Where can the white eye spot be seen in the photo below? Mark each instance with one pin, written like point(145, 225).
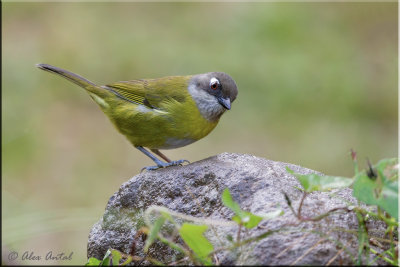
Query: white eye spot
point(214, 83)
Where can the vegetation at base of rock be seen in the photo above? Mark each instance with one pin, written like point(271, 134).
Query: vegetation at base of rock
point(375, 188)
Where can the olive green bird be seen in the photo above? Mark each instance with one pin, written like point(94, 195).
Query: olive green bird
point(163, 113)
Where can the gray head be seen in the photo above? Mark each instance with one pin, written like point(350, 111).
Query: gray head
point(213, 93)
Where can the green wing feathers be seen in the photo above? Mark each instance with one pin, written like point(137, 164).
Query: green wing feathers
point(132, 91)
point(152, 92)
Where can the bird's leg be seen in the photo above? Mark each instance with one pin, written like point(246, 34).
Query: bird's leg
point(161, 155)
point(154, 158)
point(159, 163)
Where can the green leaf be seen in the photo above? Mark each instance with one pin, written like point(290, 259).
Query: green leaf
point(106, 259)
point(388, 168)
point(314, 182)
point(193, 236)
point(381, 190)
point(230, 203)
point(128, 260)
point(237, 219)
point(251, 220)
point(155, 228)
point(93, 262)
point(247, 219)
point(116, 257)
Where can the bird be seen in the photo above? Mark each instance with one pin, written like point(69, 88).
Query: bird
point(161, 113)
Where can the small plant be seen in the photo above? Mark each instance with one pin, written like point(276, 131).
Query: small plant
point(194, 246)
point(376, 186)
point(111, 258)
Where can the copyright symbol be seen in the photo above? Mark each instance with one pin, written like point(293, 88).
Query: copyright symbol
point(13, 256)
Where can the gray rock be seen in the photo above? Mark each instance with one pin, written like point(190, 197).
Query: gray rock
point(257, 185)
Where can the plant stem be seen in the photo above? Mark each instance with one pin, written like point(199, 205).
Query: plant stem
point(382, 257)
point(301, 205)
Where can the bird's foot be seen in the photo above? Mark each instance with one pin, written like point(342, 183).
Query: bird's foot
point(165, 164)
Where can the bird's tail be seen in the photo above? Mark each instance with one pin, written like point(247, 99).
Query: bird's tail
point(75, 78)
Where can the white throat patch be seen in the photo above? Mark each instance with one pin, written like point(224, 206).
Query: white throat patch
point(207, 104)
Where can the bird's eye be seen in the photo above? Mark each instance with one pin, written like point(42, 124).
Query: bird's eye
point(214, 83)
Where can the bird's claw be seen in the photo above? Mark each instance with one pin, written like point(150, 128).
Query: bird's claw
point(165, 165)
point(178, 162)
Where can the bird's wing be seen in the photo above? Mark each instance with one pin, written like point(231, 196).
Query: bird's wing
point(152, 92)
point(132, 91)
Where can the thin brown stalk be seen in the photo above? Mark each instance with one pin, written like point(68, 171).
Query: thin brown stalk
point(292, 245)
point(309, 250)
point(301, 205)
point(334, 257)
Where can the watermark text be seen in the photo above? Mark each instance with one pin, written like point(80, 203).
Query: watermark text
point(32, 256)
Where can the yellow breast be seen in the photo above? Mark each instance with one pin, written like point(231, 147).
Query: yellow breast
point(174, 124)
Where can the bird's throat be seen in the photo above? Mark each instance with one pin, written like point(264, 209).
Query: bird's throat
point(207, 104)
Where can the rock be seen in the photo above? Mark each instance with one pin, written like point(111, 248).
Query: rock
point(257, 185)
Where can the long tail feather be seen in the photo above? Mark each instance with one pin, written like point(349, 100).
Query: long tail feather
point(75, 78)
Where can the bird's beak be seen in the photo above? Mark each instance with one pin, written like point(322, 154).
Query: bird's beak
point(225, 102)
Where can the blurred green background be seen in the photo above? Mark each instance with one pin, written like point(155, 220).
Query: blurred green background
point(314, 79)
